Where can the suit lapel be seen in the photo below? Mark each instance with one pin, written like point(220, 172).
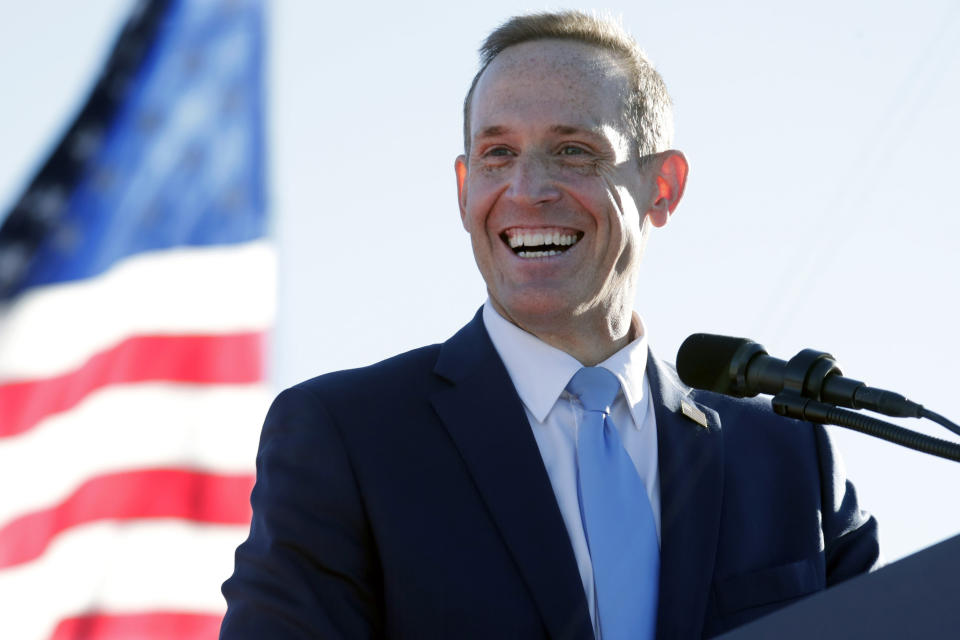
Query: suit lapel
point(691, 487)
point(486, 421)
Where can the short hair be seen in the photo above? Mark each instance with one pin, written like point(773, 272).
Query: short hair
point(648, 109)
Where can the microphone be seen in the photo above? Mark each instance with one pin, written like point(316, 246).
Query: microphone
point(741, 368)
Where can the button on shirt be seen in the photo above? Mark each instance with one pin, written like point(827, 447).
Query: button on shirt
point(540, 374)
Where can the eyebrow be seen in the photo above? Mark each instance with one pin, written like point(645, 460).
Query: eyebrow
point(560, 129)
point(566, 130)
point(492, 132)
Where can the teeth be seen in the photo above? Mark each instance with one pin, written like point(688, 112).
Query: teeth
point(538, 254)
point(523, 238)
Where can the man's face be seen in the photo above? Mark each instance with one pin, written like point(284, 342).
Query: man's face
point(552, 193)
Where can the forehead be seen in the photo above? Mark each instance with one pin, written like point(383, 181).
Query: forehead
point(551, 79)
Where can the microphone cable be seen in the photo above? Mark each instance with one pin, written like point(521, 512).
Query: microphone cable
point(939, 419)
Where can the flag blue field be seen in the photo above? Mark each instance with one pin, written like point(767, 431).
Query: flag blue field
point(136, 293)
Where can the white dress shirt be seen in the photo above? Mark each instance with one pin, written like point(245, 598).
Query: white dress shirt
point(540, 374)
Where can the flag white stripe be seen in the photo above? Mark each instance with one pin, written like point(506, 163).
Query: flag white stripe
point(189, 290)
point(124, 427)
point(123, 567)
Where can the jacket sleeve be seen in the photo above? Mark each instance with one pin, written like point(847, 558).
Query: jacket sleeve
point(850, 539)
point(308, 568)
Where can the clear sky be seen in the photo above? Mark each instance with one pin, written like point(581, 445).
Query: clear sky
point(823, 143)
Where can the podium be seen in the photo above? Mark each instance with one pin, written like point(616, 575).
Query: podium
point(915, 597)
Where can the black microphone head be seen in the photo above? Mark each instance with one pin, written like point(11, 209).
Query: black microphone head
point(714, 363)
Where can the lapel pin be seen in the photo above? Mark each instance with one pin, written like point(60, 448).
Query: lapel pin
point(693, 412)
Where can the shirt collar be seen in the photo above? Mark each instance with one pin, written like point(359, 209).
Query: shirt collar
point(540, 372)
point(630, 366)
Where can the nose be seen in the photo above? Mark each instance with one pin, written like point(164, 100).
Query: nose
point(532, 182)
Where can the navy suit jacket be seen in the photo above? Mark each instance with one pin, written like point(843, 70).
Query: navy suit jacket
point(409, 500)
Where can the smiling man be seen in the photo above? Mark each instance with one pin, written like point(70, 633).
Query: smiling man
point(555, 195)
point(541, 474)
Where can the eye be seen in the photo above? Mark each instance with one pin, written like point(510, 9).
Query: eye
point(572, 150)
point(497, 152)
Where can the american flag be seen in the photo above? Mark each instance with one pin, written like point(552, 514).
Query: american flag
point(136, 290)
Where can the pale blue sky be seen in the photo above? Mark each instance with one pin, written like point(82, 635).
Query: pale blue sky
point(823, 143)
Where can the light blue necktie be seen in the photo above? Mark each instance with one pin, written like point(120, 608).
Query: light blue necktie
point(617, 516)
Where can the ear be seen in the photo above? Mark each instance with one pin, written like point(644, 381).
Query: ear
point(670, 178)
point(460, 167)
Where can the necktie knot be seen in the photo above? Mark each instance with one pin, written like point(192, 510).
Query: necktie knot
point(595, 387)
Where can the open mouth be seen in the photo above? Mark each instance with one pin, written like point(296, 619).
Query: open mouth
point(540, 243)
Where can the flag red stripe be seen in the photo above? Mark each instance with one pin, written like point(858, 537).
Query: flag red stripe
point(153, 493)
point(157, 625)
point(224, 359)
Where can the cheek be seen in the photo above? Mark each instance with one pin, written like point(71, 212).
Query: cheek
point(629, 211)
point(479, 206)
point(625, 229)
point(476, 222)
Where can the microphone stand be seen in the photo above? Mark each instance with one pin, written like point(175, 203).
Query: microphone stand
point(792, 405)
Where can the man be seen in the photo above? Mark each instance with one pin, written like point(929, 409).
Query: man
point(461, 490)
